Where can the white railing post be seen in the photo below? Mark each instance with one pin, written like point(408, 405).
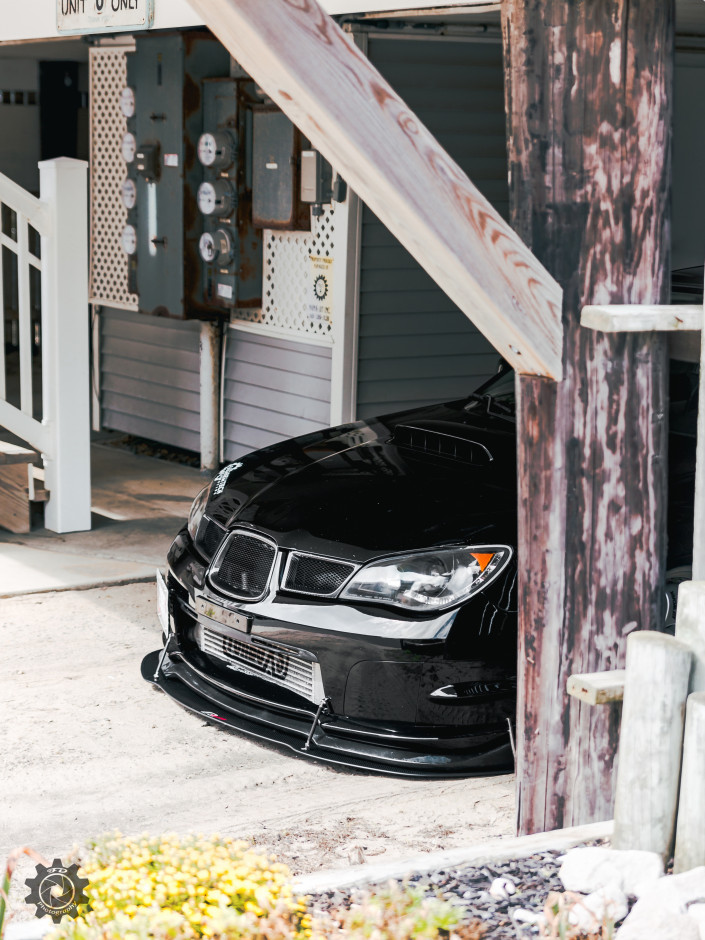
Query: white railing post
point(65, 343)
point(699, 508)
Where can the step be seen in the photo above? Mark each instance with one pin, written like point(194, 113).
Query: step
point(20, 487)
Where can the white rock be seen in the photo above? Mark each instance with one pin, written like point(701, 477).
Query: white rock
point(697, 912)
point(677, 893)
point(586, 922)
point(669, 900)
point(659, 925)
point(356, 856)
point(502, 888)
point(583, 869)
point(690, 885)
point(639, 870)
point(607, 903)
point(27, 929)
point(522, 916)
point(593, 867)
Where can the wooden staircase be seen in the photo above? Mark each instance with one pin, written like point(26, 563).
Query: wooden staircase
point(22, 492)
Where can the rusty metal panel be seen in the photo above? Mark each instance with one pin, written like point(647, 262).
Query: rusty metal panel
point(166, 73)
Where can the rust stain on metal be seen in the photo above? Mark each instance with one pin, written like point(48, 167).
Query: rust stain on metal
point(191, 96)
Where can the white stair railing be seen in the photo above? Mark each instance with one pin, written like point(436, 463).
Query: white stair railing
point(62, 435)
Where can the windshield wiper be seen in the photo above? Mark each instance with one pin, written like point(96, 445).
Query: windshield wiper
point(494, 406)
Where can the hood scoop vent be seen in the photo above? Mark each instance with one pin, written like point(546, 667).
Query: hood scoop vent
point(442, 439)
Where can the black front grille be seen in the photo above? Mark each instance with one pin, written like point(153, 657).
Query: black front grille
point(309, 574)
point(209, 537)
point(244, 566)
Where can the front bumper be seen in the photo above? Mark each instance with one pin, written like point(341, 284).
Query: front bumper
point(374, 712)
point(325, 737)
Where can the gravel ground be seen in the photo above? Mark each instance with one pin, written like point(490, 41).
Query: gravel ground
point(479, 889)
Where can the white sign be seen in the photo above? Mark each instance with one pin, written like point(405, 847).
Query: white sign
point(320, 303)
point(101, 16)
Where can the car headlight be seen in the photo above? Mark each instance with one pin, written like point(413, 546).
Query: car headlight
point(428, 581)
point(198, 507)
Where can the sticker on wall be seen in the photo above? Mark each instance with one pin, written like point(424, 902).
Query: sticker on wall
point(320, 302)
point(101, 16)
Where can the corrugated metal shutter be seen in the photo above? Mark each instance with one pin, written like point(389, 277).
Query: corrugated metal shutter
point(273, 389)
point(149, 377)
point(415, 346)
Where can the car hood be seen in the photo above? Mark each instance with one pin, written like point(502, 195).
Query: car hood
point(398, 483)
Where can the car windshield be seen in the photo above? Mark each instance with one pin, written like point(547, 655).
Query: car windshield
point(496, 396)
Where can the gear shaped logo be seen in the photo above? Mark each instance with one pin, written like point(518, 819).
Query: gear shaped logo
point(57, 891)
point(320, 287)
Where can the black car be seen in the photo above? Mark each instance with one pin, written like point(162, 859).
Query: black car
point(351, 594)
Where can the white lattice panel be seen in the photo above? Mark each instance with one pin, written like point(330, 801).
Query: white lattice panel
point(297, 287)
point(108, 76)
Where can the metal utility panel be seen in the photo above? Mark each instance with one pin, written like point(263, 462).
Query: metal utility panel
point(276, 152)
point(165, 76)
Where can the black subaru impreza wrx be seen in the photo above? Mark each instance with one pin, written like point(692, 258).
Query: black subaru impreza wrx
point(351, 594)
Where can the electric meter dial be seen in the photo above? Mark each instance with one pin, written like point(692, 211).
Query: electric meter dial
point(225, 246)
point(127, 101)
point(129, 147)
point(206, 248)
point(217, 198)
point(129, 240)
point(217, 151)
point(129, 194)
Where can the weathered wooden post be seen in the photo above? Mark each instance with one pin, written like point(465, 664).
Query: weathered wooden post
point(690, 626)
point(589, 100)
point(651, 742)
point(690, 834)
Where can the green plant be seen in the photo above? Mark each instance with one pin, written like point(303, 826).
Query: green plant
point(7, 878)
point(558, 925)
point(397, 912)
point(189, 888)
point(184, 888)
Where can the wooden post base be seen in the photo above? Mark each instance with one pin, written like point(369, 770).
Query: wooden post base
point(651, 742)
point(690, 834)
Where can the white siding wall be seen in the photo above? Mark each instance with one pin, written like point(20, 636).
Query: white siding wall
point(149, 377)
point(415, 346)
point(273, 389)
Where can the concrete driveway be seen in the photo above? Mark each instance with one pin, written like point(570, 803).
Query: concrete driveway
point(88, 746)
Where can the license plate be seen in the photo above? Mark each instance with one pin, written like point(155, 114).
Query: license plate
point(230, 618)
point(162, 603)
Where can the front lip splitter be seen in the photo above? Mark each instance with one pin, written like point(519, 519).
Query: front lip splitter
point(318, 735)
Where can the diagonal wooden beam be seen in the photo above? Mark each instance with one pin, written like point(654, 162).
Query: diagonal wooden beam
point(329, 89)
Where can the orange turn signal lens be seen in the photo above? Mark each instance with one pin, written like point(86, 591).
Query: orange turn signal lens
point(483, 558)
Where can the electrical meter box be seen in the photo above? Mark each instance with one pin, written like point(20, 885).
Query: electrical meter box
point(276, 160)
point(164, 103)
point(230, 246)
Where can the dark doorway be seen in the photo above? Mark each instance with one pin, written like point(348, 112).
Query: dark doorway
point(59, 101)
